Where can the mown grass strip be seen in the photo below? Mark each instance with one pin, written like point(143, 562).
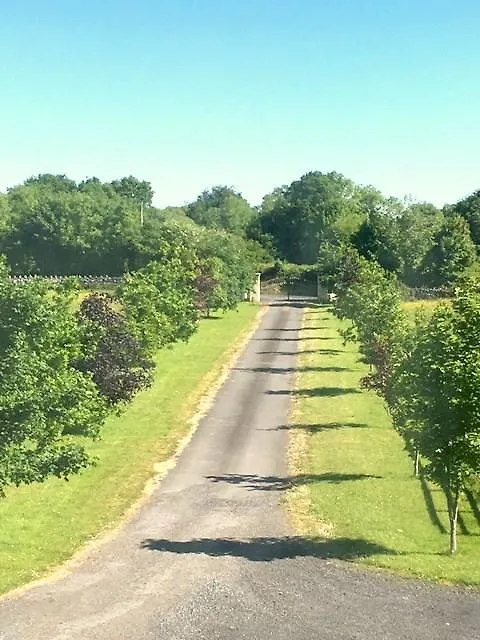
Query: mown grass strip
point(43, 525)
point(358, 484)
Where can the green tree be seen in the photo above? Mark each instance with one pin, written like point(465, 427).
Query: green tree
point(366, 201)
point(5, 221)
point(111, 354)
point(338, 266)
point(222, 208)
point(372, 304)
point(94, 186)
point(469, 209)
point(212, 294)
point(304, 215)
point(93, 230)
point(138, 191)
point(120, 237)
point(377, 239)
point(273, 200)
point(53, 232)
point(452, 252)
point(236, 275)
point(370, 299)
point(416, 231)
point(43, 397)
point(159, 300)
point(436, 391)
point(54, 183)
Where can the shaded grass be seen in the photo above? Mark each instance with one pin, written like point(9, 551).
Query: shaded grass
point(389, 508)
point(42, 525)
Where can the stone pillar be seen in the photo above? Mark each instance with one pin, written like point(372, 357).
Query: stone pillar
point(322, 293)
point(257, 290)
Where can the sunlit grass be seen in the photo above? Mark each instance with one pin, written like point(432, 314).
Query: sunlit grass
point(42, 525)
point(366, 491)
point(427, 307)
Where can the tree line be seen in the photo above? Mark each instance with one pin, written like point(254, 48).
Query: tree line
point(52, 225)
point(309, 219)
point(65, 368)
point(428, 374)
point(70, 357)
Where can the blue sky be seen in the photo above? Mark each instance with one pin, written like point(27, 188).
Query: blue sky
point(249, 93)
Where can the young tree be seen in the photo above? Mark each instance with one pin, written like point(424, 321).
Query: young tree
point(372, 303)
point(437, 391)
point(339, 266)
point(236, 265)
point(159, 301)
point(209, 285)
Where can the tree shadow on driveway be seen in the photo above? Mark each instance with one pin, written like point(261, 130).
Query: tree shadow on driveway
point(266, 549)
point(283, 339)
point(283, 370)
point(317, 392)
point(316, 327)
point(325, 352)
point(321, 426)
point(295, 304)
point(253, 482)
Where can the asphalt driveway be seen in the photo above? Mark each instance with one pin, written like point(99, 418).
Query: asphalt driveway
point(212, 555)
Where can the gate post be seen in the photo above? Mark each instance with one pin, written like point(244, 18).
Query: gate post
point(256, 290)
point(322, 292)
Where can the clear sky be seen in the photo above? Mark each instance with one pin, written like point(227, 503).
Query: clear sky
point(248, 93)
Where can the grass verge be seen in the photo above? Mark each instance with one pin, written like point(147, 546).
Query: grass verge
point(43, 525)
point(426, 307)
point(356, 481)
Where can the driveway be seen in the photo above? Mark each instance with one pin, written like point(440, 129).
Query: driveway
point(212, 555)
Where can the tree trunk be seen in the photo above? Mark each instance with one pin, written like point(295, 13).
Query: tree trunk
point(454, 503)
point(417, 462)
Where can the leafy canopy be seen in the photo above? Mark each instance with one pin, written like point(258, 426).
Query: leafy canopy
point(44, 399)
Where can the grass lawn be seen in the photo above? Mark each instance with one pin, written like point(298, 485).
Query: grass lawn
point(411, 307)
point(42, 525)
point(358, 486)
